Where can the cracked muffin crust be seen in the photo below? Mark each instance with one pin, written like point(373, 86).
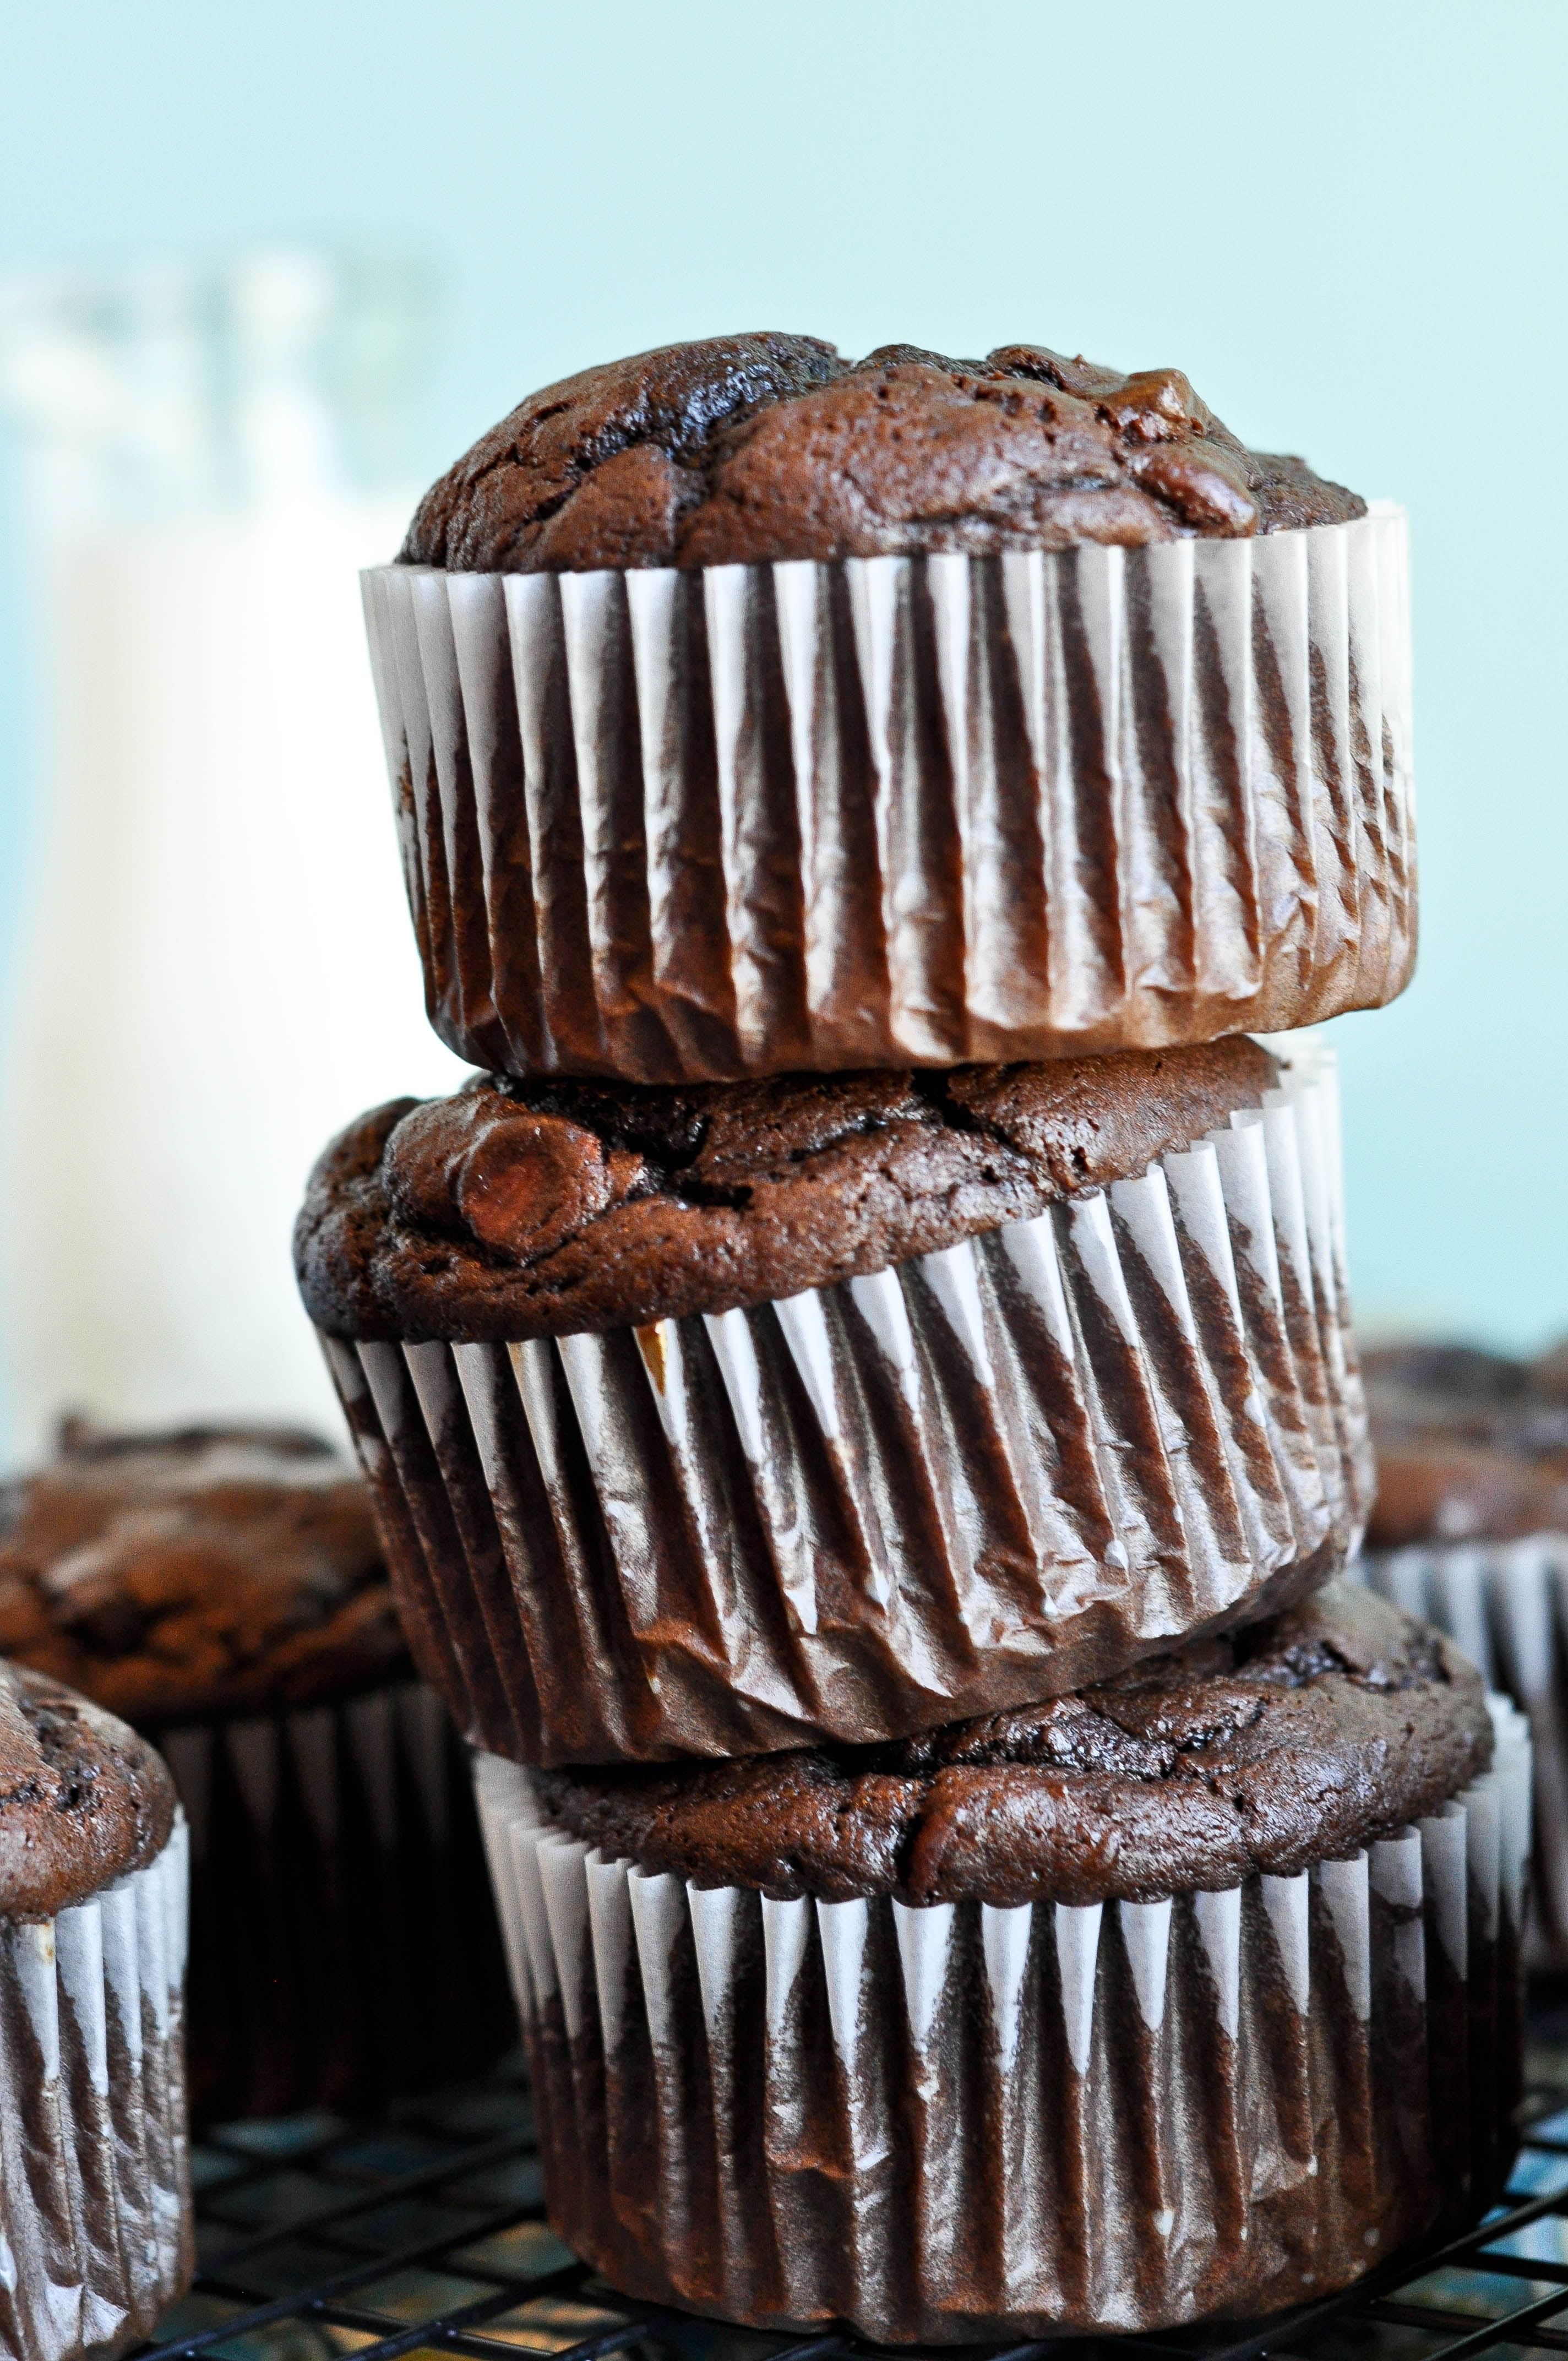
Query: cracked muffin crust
point(1292, 1741)
point(547, 1208)
point(751, 448)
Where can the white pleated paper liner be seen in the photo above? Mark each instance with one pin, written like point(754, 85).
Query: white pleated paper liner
point(755, 820)
point(962, 2122)
point(96, 2235)
point(1505, 1603)
point(993, 1473)
point(343, 1947)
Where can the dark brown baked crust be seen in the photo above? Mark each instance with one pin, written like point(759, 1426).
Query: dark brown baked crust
point(548, 1208)
point(746, 449)
point(83, 1799)
point(1471, 1445)
point(207, 1571)
point(1293, 1742)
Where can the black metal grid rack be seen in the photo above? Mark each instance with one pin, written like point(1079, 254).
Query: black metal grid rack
point(424, 2235)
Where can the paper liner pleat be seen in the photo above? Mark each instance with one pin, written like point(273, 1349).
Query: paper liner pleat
point(1505, 1604)
point(321, 1838)
point(993, 1473)
point(967, 2121)
point(95, 2230)
point(752, 819)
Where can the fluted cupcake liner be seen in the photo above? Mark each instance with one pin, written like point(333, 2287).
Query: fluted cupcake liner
point(962, 2122)
point(95, 2234)
point(1505, 1603)
point(993, 1473)
point(322, 1837)
point(755, 818)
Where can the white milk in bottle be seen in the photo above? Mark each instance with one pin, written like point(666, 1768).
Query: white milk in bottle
point(214, 969)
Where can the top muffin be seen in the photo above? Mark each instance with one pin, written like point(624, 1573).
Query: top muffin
point(752, 711)
point(746, 449)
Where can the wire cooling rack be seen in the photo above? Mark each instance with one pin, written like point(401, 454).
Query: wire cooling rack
point(424, 2235)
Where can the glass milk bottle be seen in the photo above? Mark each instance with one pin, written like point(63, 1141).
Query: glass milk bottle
point(212, 968)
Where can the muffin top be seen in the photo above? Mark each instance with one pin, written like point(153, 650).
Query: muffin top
point(549, 1207)
point(1470, 1445)
point(204, 1571)
point(1293, 1742)
point(745, 449)
point(83, 1799)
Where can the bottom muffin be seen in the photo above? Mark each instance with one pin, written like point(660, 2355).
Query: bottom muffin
point(95, 2234)
point(1182, 1997)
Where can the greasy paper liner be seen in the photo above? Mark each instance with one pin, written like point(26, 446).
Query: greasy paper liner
point(1505, 1603)
point(964, 2122)
point(990, 1475)
point(95, 2231)
point(757, 818)
point(343, 1946)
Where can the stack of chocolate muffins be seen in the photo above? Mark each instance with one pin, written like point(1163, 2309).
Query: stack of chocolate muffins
point(859, 1390)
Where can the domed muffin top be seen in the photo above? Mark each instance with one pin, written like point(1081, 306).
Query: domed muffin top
point(746, 449)
point(1294, 1740)
point(83, 1799)
point(550, 1208)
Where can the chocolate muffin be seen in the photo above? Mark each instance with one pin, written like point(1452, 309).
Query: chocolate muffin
point(222, 1588)
point(727, 1417)
point(1470, 1527)
point(201, 1572)
point(95, 2232)
point(1470, 1445)
point(743, 450)
point(1182, 1995)
point(750, 709)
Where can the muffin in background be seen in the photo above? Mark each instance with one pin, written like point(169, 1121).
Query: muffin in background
point(1194, 1994)
point(95, 2230)
point(1470, 1528)
point(223, 1589)
point(1472, 1446)
point(751, 710)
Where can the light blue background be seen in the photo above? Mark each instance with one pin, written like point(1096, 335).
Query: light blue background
point(1344, 222)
